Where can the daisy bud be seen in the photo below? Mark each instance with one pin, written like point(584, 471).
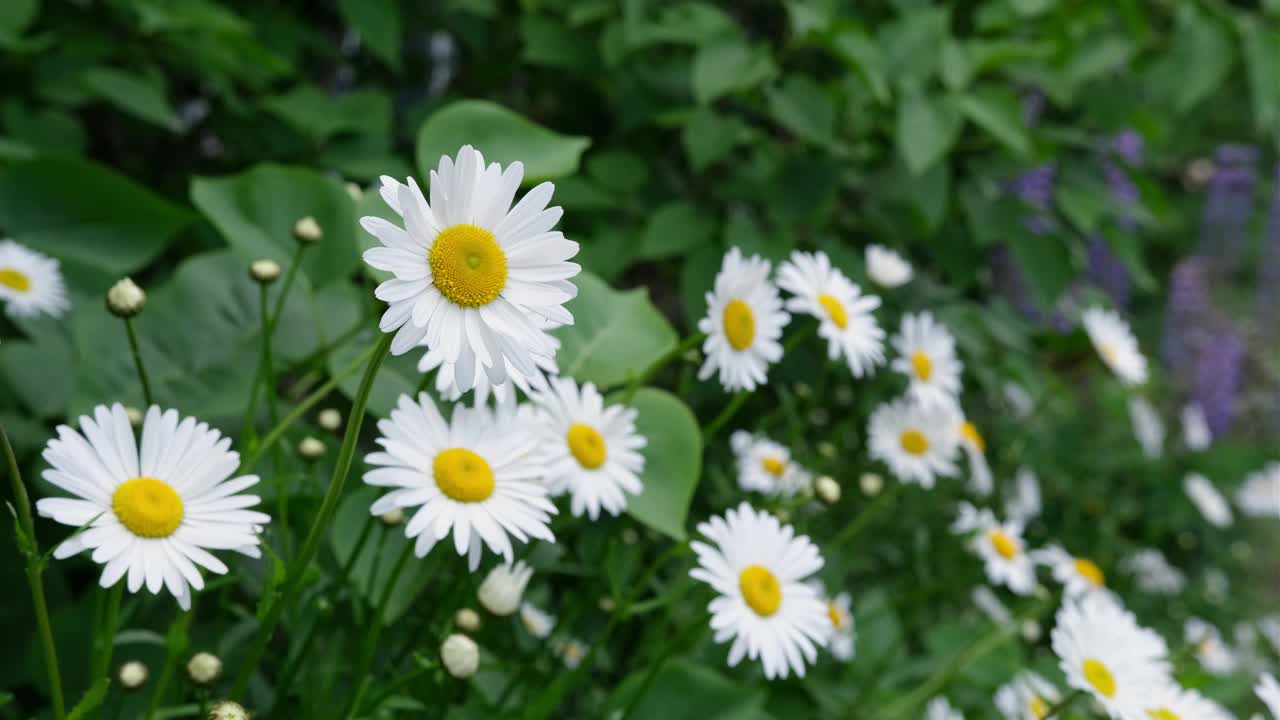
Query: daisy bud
point(871, 484)
point(392, 517)
point(228, 710)
point(461, 656)
point(467, 620)
point(827, 449)
point(844, 395)
point(803, 390)
point(133, 675)
point(606, 604)
point(264, 271)
point(693, 355)
point(311, 449)
point(819, 417)
point(307, 231)
point(630, 536)
point(827, 489)
point(125, 299)
point(502, 587)
point(135, 416)
point(783, 514)
point(354, 191)
point(204, 668)
point(329, 419)
point(1030, 630)
point(1199, 172)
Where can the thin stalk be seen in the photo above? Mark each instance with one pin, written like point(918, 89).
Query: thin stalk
point(105, 638)
point(864, 518)
point(375, 631)
point(268, 329)
point(1062, 704)
point(35, 567)
point(137, 360)
point(172, 655)
point(273, 413)
point(399, 683)
point(673, 354)
point(298, 568)
point(725, 416)
point(692, 631)
point(289, 276)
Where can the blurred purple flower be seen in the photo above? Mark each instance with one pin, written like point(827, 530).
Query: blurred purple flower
point(1219, 368)
point(1228, 206)
point(1105, 270)
point(1035, 188)
point(1269, 272)
point(1032, 107)
point(1185, 313)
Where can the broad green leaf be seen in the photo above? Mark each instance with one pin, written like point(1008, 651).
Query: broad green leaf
point(912, 41)
point(926, 130)
point(15, 16)
point(673, 461)
point(803, 107)
point(37, 372)
point(1098, 55)
point(1047, 263)
point(1260, 46)
point(397, 376)
point(708, 136)
point(255, 211)
point(615, 334)
point(1196, 62)
point(727, 67)
point(957, 66)
point(44, 128)
point(688, 690)
point(549, 42)
point(618, 170)
point(139, 95)
point(371, 570)
point(674, 229)
point(502, 135)
point(607, 249)
point(321, 115)
point(860, 50)
point(86, 215)
point(998, 112)
point(379, 24)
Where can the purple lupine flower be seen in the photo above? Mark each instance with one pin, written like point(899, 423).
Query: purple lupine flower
point(1012, 285)
point(1032, 107)
point(1228, 206)
point(1105, 270)
point(1035, 188)
point(1219, 368)
point(1269, 272)
point(1186, 313)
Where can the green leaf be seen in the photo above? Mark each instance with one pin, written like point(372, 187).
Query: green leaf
point(708, 136)
point(550, 43)
point(998, 112)
point(1260, 46)
point(139, 95)
point(803, 107)
point(91, 700)
point(860, 51)
point(614, 336)
point(321, 115)
point(1047, 263)
point(727, 67)
point(672, 465)
point(37, 372)
point(255, 211)
point(502, 135)
point(674, 229)
point(688, 690)
point(1098, 55)
point(379, 24)
point(87, 215)
point(926, 130)
point(625, 172)
point(911, 43)
point(382, 548)
point(15, 17)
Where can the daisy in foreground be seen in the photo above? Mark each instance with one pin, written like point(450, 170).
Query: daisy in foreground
point(765, 466)
point(1078, 575)
point(592, 451)
point(474, 277)
point(475, 477)
point(1268, 691)
point(1171, 702)
point(758, 567)
point(1114, 341)
point(743, 324)
point(927, 356)
point(975, 449)
point(886, 267)
point(450, 389)
point(1001, 548)
point(918, 443)
point(844, 314)
point(940, 708)
point(1027, 697)
point(153, 510)
point(1103, 651)
point(843, 632)
point(1259, 496)
point(30, 283)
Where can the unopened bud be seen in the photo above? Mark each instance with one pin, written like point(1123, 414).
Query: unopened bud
point(827, 449)
point(467, 620)
point(630, 536)
point(502, 588)
point(606, 604)
point(135, 416)
point(307, 230)
point(329, 419)
point(125, 299)
point(264, 271)
point(392, 517)
point(827, 489)
point(204, 668)
point(228, 710)
point(311, 449)
point(461, 656)
point(133, 675)
point(871, 484)
point(354, 191)
point(1030, 630)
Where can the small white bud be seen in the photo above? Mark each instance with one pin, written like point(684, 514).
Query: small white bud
point(827, 489)
point(133, 675)
point(1199, 172)
point(803, 390)
point(354, 191)
point(693, 355)
point(204, 668)
point(606, 604)
point(264, 271)
point(630, 536)
point(228, 710)
point(871, 484)
point(827, 449)
point(502, 588)
point(329, 419)
point(392, 517)
point(783, 514)
point(135, 416)
point(844, 395)
point(1030, 630)
point(572, 651)
point(307, 230)
point(461, 656)
point(125, 299)
point(311, 449)
point(819, 417)
point(467, 620)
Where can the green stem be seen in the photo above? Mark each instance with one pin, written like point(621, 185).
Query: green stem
point(268, 330)
point(673, 354)
point(172, 656)
point(289, 276)
point(1062, 704)
point(375, 631)
point(35, 566)
point(298, 568)
point(137, 360)
point(672, 647)
point(400, 682)
point(105, 638)
point(273, 413)
point(725, 416)
point(864, 518)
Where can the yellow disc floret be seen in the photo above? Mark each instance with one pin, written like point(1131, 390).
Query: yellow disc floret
point(467, 265)
point(463, 475)
point(14, 280)
point(1003, 544)
point(1163, 714)
point(148, 507)
point(834, 310)
point(970, 432)
point(739, 325)
point(761, 590)
point(922, 365)
point(774, 466)
point(914, 442)
point(1099, 677)
point(587, 446)
point(1090, 571)
point(836, 614)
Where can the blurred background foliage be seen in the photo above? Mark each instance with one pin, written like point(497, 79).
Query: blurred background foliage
point(1028, 156)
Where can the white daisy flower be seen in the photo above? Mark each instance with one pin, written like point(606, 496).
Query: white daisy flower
point(1259, 496)
point(1195, 428)
point(765, 466)
point(1211, 504)
point(1154, 574)
point(1171, 702)
point(918, 443)
point(1024, 503)
point(1027, 697)
point(940, 709)
point(1147, 427)
point(1270, 627)
point(502, 588)
point(157, 507)
point(743, 324)
point(536, 621)
point(991, 606)
point(1214, 654)
point(30, 282)
point(758, 568)
point(975, 449)
point(1115, 343)
point(1000, 547)
point(474, 277)
point(1268, 691)
point(449, 388)
point(1103, 651)
point(572, 652)
point(592, 450)
point(843, 634)
point(1019, 400)
point(886, 267)
point(476, 476)
point(844, 314)
point(927, 356)
point(1078, 575)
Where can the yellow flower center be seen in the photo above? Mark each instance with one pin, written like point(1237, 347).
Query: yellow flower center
point(1090, 571)
point(761, 590)
point(1003, 544)
point(14, 280)
point(1163, 714)
point(834, 309)
point(1099, 677)
point(970, 432)
point(1038, 707)
point(467, 265)
point(914, 442)
point(922, 365)
point(739, 324)
point(463, 475)
point(774, 466)
point(148, 507)
point(836, 614)
point(587, 446)
point(1107, 352)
